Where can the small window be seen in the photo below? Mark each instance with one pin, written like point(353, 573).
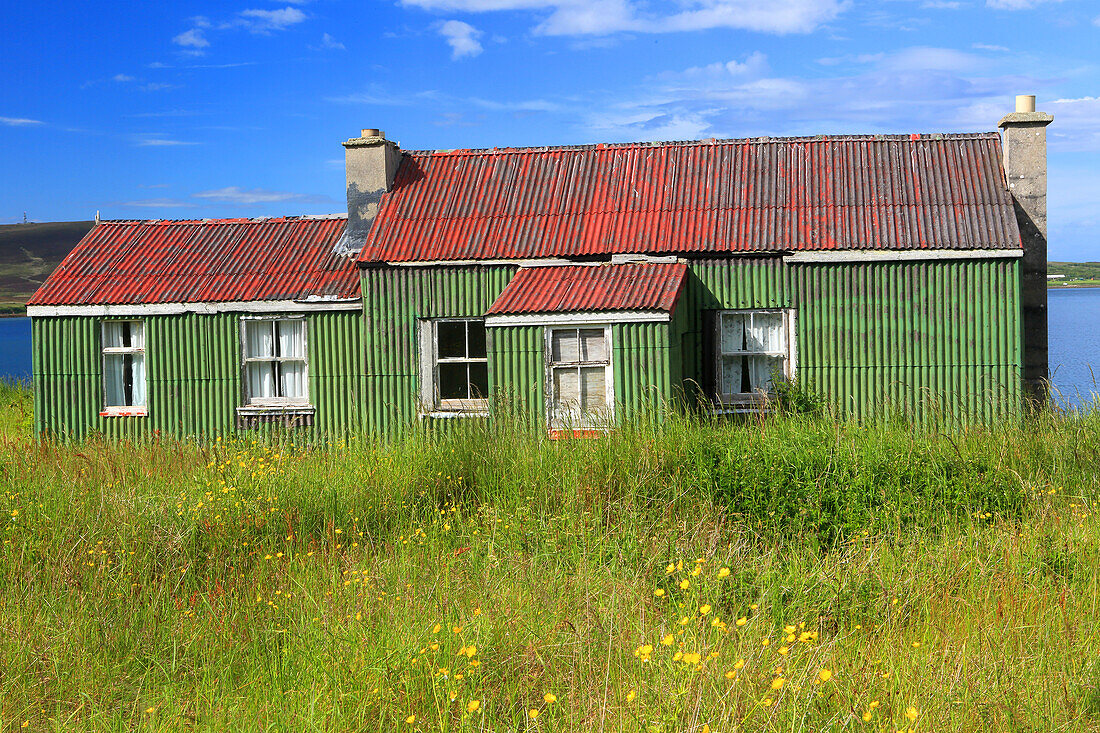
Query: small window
point(579, 378)
point(454, 366)
point(124, 389)
point(275, 367)
point(753, 349)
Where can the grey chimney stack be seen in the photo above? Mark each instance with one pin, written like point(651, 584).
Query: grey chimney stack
point(371, 163)
point(1024, 140)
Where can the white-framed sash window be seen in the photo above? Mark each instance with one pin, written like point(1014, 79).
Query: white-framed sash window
point(579, 385)
point(454, 366)
point(124, 380)
point(275, 367)
point(754, 347)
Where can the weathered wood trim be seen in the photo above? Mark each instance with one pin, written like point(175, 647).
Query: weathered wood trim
point(577, 318)
point(172, 309)
point(907, 255)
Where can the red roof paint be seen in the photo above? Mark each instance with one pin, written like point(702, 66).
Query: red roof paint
point(592, 288)
point(869, 192)
point(136, 262)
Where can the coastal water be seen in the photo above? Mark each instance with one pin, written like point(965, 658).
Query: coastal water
point(1074, 318)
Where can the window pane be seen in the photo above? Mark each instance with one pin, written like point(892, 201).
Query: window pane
point(564, 345)
point(292, 380)
point(137, 334)
point(137, 371)
point(114, 379)
point(453, 383)
point(112, 335)
point(258, 339)
point(761, 369)
point(593, 345)
point(452, 340)
point(764, 332)
point(730, 379)
point(261, 379)
point(475, 331)
point(291, 338)
point(479, 380)
point(567, 393)
point(593, 384)
point(733, 332)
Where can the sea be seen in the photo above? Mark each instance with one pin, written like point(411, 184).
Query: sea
point(1074, 333)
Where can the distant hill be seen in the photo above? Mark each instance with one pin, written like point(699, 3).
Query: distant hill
point(29, 253)
point(1074, 274)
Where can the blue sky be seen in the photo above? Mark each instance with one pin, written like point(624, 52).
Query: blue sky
point(187, 110)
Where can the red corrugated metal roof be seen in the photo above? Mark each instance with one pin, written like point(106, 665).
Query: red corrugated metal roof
point(590, 288)
point(869, 192)
point(132, 262)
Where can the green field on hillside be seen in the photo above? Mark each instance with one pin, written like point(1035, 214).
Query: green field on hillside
point(1077, 274)
point(29, 253)
point(782, 574)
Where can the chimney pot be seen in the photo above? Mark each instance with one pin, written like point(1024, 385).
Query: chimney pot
point(374, 132)
point(1024, 103)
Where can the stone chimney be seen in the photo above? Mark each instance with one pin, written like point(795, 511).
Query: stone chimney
point(371, 163)
point(1024, 139)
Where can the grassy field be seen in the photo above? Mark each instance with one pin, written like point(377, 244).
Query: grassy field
point(787, 574)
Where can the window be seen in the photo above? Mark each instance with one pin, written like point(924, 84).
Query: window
point(124, 367)
point(753, 346)
point(275, 370)
point(454, 366)
point(579, 377)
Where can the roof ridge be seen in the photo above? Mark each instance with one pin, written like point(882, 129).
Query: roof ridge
point(229, 220)
point(763, 139)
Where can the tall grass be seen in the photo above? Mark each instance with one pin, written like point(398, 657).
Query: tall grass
point(880, 576)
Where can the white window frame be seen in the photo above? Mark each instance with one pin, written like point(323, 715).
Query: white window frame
point(251, 403)
point(573, 421)
point(752, 401)
point(105, 351)
point(431, 404)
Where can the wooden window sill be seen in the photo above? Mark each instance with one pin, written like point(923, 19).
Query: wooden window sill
point(124, 412)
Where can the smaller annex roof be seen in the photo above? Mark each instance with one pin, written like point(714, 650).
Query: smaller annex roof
point(201, 261)
point(639, 286)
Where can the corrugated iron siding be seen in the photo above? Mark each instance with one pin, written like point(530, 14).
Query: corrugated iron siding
point(134, 262)
point(912, 337)
point(193, 365)
point(604, 287)
point(841, 192)
point(394, 299)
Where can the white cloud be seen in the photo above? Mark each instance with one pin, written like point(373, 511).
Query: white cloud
point(461, 37)
point(19, 121)
point(941, 5)
point(267, 21)
point(122, 78)
point(990, 47)
point(159, 141)
point(601, 17)
point(328, 41)
point(262, 22)
point(240, 196)
point(1017, 4)
point(192, 39)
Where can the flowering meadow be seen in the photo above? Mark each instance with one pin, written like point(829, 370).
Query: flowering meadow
point(782, 574)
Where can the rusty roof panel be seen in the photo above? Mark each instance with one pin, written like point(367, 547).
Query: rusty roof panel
point(642, 286)
point(882, 192)
point(135, 262)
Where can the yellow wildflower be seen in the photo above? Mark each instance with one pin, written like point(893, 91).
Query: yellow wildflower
point(631, 695)
point(742, 621)
point(912, 713)
point(411, 719)
point(667, 641)
point(659, 592)
point(724, 573)
point(777, 683)
point(824, 675)
point(472, 706)
point(704, 609)
point(550, 698)
point(532, 713)
point(685, 584)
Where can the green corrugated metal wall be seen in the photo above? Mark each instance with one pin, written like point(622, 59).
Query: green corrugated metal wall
point(193, 372)
point(940, 335)
point(909, 336)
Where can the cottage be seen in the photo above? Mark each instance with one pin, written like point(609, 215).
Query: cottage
point(899, 272)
